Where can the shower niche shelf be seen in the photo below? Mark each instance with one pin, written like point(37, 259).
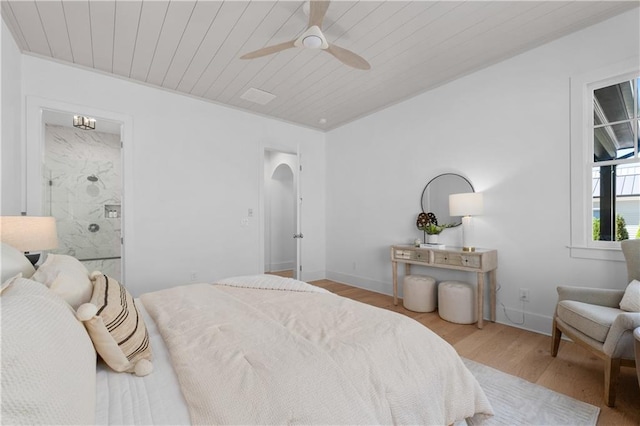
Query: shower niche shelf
point(112, 211)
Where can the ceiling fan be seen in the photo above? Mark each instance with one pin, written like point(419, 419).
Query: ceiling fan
point(313, 38)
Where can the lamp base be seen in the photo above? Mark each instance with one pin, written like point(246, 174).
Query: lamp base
point(33, 257)
point(469, 249)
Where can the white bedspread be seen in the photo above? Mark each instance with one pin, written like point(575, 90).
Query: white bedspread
point(247, 356)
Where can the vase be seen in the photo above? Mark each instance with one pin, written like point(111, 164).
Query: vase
point(432, 238)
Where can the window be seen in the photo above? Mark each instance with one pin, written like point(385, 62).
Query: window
point(615, 167)
point(605, 163)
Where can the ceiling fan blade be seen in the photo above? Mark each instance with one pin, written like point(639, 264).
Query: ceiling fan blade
point(317, 10)
point(347, 57)
point(269, 50)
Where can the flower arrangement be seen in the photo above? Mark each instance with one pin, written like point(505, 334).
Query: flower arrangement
point(433, 229)
point(428, 223)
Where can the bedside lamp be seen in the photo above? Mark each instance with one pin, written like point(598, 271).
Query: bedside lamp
point(466, 205)
point(29, 233)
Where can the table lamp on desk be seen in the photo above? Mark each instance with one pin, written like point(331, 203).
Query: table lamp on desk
point(466, 205)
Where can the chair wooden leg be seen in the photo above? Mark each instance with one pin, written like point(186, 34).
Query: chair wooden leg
point(611, 373)
point(556, 335)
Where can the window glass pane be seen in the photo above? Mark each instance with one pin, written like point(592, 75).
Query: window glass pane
point(614, 103)
point(616, 217)
point(611, 142)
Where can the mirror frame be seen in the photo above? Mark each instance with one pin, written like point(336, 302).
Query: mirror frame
point(431, 181)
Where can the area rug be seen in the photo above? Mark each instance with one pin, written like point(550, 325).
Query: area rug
point(516, 401)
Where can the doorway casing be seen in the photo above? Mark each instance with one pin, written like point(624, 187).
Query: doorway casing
point(294, 164)
point(33, 155)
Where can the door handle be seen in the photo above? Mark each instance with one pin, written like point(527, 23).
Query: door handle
point(300, 235)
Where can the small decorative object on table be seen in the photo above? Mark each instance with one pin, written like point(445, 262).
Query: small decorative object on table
point(428, 224)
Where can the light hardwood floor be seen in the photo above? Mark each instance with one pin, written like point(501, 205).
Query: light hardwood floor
point(575, 372)
point(285, 274)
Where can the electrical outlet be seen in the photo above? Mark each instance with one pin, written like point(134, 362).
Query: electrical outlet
point(524, 294)
point(193, 276)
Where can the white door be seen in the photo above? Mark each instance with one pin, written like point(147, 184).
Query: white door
point(298, 236)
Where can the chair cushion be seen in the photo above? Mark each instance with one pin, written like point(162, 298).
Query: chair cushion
point(592, 320)
point(631, 300)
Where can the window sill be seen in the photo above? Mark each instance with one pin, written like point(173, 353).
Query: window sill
point(597, 253)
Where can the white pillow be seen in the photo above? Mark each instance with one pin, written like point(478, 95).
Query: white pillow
point(67, 277)
point(631, 300)
point(48, 361)
point(14, 262)
point(5, 285)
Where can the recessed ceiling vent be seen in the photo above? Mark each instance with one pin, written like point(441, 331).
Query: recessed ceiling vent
point(258, 96)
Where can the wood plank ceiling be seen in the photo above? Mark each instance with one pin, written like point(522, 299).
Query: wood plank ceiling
point(193, 47)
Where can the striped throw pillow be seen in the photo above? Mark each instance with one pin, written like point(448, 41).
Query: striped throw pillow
point(116, 327)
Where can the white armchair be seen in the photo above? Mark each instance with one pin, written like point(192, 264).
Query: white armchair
point(592, 318)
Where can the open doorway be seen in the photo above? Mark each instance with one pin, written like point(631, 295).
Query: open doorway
point(281, 245)
point(90, 187)
point(82, 189)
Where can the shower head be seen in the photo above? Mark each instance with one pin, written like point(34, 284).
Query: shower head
point(92, 178)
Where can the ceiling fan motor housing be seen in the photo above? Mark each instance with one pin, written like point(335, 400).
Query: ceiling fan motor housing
point(312, 38)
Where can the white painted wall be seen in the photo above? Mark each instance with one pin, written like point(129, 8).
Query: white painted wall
point(506, 128)
point(195, 168)
point(11, 107)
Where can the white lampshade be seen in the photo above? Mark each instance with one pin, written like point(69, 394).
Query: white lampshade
point(467, 204)
point(29, 233)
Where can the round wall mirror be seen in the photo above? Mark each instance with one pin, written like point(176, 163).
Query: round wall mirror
point(435, 196)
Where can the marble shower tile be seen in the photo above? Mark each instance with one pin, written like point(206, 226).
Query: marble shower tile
point(71, 157)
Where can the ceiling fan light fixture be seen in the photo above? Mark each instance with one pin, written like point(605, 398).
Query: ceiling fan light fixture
point(313, 38)
point(312, 41)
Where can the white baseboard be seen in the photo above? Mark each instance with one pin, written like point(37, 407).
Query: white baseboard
point(364, 283)
point(281, 266)
point(536, 323)
point(533, 322)
point(313, 276)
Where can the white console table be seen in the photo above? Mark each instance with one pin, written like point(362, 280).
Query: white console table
point(480, 261)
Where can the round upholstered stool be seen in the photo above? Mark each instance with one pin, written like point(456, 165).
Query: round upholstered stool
point(457, 302)
point(419, 293)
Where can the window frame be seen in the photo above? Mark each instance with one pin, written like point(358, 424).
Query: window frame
point(582, 88)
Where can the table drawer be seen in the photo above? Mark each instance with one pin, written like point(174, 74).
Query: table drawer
point(457, 259)
point(415, 255)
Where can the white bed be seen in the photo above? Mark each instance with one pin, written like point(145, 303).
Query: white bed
point(277, 351)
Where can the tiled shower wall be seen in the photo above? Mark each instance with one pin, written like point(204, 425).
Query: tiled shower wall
point(72, 156)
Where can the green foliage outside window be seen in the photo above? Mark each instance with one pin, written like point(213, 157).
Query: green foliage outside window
point(621, 229)
point(596, 229)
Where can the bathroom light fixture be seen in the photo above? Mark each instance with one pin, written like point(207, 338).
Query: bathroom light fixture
point(85, 123)
point(29, 233)
point(466, 205)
